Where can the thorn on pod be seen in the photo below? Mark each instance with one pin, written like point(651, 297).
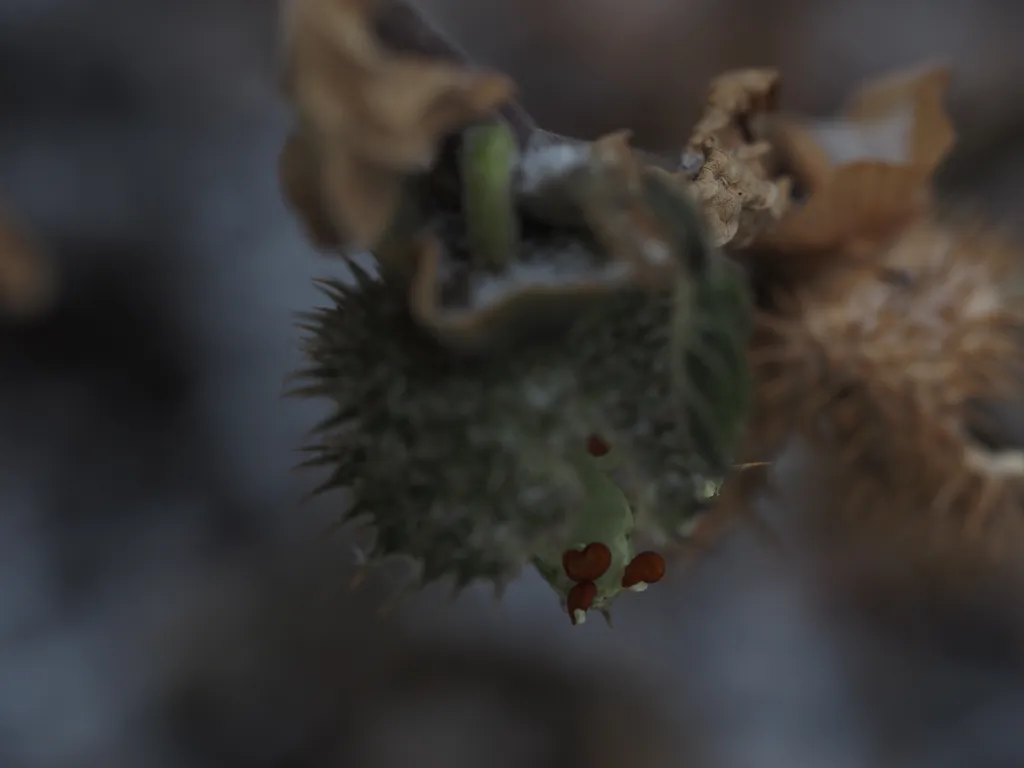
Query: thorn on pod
point(579, 600)
point(644, 569)
point(587, 564)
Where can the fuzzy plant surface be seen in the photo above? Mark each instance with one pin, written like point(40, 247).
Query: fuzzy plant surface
point(598, 559)
point(472, 467)
point(676, 390)
point(537, 296)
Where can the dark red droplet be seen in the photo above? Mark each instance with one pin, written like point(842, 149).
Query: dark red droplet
point(596, 446)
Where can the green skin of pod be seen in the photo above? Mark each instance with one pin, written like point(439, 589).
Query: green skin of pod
point(606, 518)
point(488, 161)
point(489, 158)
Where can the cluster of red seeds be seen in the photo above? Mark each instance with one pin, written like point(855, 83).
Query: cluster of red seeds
point(585, 566)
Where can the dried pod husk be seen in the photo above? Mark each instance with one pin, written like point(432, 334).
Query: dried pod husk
point(888, 336)
point(893, 370)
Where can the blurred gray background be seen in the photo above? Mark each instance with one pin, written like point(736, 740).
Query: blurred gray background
point(164, 598)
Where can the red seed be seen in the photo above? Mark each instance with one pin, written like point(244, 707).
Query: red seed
point(587, 564)
point(580, 598)
point(647, 567)
point(596, 446)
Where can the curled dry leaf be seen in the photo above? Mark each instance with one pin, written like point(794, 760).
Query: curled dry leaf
point(369, 117)
point(907, 111)
point(27, 280)
point(867, 173)
point(734, 100)
point(863, 204)
point(730, 168)
point(885, 364)
point(636, 231)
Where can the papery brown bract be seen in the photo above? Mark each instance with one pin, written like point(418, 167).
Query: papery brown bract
point(877, 365)
point(922, 93)
point(861, 204)
point(368, 116)
point(883, 324)
point(636, 233)
point(734, 183)
point(866, 174)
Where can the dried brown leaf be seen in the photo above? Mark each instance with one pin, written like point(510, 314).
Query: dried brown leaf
point(634, 247)
point(867, 173)
point(734, 187)
point(887, 326)
point(864, 203)
point(738, 203)
point(921, 93)
point(371, 116)
point(299, 177)
point(733, 99)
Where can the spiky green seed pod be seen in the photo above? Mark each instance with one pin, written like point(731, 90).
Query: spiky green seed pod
point(475, 466)
point(462, 465)
point(472, 468)
point(675, 389)
point(606, 520)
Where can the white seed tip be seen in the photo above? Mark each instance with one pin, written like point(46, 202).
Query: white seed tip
point(579, 616)
point(640, 586)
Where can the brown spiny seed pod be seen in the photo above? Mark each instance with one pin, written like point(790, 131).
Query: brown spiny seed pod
point(881, 366)
point(889, 339)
